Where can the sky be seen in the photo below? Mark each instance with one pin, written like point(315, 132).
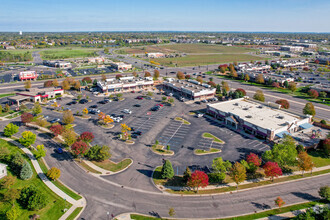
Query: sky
point(165, 15)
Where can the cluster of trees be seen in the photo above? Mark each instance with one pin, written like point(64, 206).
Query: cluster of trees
point(70, 82)
point(51, 83)
point(4, 109)
point(15, 57)
point(276, 161)
point(224, 90)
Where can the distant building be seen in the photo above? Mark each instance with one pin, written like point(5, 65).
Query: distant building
point(8, 47)
point(3, 170)
point(20, 32)
point(190, 89)
point(28, 75)
point(58, 64)
point(292, 48)
point(126, 84)
point(155, 55)
point(35, 95)
point(95, 60)
point(121, 66)
point(265, 121)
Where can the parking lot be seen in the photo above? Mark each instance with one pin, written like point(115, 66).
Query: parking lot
point(160, 125)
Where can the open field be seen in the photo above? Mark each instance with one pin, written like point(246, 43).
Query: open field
point(206, 48)
point(184, 48)
point(51, 211)
point(193, 60)
point(63, 53)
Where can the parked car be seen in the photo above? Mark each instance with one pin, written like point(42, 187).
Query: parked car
point(149, 97)
point(127, 111)
point(55, 120)
point(59, 150)
point(137, 132)
point(199, 115)
point(181, 99)
point(83, 101)
point(139, 97)
point(93, 106)
point(102, 102)
point(204, 100)
point(155, 108)
point(74, 102)
point(137, 105)
point(58, 98)
point(134, 136)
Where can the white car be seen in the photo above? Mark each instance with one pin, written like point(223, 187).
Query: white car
point(199, 115)
point(127, 111)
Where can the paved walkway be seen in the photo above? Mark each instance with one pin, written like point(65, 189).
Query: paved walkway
point(49, 184)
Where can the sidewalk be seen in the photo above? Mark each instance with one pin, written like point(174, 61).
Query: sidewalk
point(162, 187)
point(50, 185)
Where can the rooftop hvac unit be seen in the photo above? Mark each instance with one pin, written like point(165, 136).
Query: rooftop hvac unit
point(236, 104)
point(248, 116)
point(280, 117)
point(245, 108)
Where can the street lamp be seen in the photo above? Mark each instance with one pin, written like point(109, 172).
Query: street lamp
point(108, 214)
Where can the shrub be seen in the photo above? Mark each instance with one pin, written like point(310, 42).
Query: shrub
point(57, 129)
point(87, 79)
point(284, 103)
point(79, 148)
point(323, 122)
point(324, 192)
point(26, 117)
point(87, 137)
point(99, 153)
point(13, 213)
point(28, 138)
point(26, 171)
point(10, 130)
point(32, 199)
point(313, 93)
point(241, 92)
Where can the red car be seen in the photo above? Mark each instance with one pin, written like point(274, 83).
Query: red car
point(161, 105)
point(139, 97)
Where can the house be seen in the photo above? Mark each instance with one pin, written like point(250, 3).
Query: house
point(3, 170)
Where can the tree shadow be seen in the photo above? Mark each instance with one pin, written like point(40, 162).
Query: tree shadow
point(155, 214)
point(147, 173)
point(45, 136)
point(306, 196)
point(262, 206)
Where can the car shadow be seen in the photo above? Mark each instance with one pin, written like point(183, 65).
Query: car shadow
point(305, 196)
point(261, 206)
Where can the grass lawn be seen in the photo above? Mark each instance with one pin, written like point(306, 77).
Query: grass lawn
point(215, 139)
point(201, 152)
point(6, 113)
point(252, 216)
point(63, 53)
point(74, 213)
point(182, 120)
point(112, 166)
point(51, 211)
point(175, 181)
point(5, 95)
point(193, 60)
point(85, 166)
point(160, 149)
point(319, 158)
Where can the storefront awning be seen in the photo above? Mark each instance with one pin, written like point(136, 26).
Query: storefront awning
point(306, 126)
point(281, 134)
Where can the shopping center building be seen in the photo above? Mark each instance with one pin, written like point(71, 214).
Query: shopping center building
point(264, 120)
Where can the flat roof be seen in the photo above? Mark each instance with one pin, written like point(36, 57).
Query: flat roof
point(256, 113)
point(18, 97)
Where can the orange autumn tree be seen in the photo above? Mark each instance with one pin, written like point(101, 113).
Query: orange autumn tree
point(124, 132)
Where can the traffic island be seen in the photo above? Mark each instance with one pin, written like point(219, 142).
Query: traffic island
point(205, 152)
point(159, 149)
point(211, 136)
point(182, 120)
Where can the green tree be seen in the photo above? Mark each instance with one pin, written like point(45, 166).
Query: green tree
point(28, 138)
point(99, 153)
point(246, 77)
point(54, 173)
point(37, 108)
point(171, 212)
point(292, 86)
point(284, 153)
point(10, 130)
point(225, 86)
point(309, 109)
point(40, 152)
point(0, 108)
point(7, 181)
point(238, 173)
point(26, 171)
point(7, 108)
point(324, 192)
point(167, 170)
point(13, 213)
point(220, 168)
point(16, 163)
point(69, 137)
point(186, 175)
point(259, 95)
point(32, 198)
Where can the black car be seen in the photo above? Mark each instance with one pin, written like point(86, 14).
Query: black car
point(74, 102)
point(132, 129)
point(83, 101)
point(69, 103)
point(137, 105)
point(121, 116)
point(137, 132)
point(155, 108)
point(134, 136)
point(198, 102)
point(102, 102)
point(93, 106)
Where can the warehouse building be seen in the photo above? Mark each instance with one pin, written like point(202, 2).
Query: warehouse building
point(266, 121)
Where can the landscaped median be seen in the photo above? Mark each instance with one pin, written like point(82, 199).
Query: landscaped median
point(182, 120)
point(112, 166)
point(159, 149)
point(204, 152)
point(211, 136)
